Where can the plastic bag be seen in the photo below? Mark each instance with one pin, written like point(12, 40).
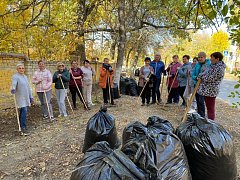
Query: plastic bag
point(101, 162)
point(101, 127)
point(156, 150)
point(209, 148)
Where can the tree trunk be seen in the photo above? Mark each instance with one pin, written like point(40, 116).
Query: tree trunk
point(128, 55)
point(113, 46)
point(122, 41)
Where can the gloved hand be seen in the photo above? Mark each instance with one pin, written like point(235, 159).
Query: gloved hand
point(13, 91)
point(147, 79)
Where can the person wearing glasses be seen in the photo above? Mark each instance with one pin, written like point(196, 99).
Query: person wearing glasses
point(23, 94)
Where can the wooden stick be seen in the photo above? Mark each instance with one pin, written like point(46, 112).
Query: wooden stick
point(144, 87)
point(79, 91)
point(191, 100)
point(173, 82)
point(66, 95)
point(109, 90)
point(170, 69)
point(18, 120)
point(47, 104)
point(161, 90)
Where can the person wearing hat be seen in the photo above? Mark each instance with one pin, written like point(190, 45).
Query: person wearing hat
point(61, 73)
point(158, 67)
point(200, 67)
point(24, 98)
point(144, 77)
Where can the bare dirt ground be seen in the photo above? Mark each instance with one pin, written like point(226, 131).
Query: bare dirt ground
point(53, 149)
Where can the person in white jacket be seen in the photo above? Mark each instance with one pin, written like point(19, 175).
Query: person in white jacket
point(22, 91)
point(88, 73)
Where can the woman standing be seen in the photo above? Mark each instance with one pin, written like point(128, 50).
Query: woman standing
point(59, 77)
point(23, 95)
point(145, 73)
point(211, 80)
point(76, 76)
point(88, 72)
point(173, 95)
point(42, 78)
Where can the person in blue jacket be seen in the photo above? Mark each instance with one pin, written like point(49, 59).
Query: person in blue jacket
point(200, 67)
point(158, 67)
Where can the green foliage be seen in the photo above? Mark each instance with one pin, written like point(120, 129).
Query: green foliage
point(236, 93)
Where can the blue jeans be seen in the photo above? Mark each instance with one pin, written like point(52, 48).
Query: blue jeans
point(155, 90)
point(23, 117)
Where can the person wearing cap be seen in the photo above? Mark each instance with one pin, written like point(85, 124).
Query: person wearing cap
point(144, 77)
point(42, 78)
point(211, 79)
point(77, 75)
point(200, 67)
point(106, 81)
point(88, 73)
point(61, 90)
point(24, 98)
point(158, 67)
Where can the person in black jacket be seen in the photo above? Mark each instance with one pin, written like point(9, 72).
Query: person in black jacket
point(64, 75)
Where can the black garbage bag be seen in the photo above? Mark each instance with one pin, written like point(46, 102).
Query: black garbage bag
point(157, 124)
point(158, 152)
point(101, 127)
point(102, 163)
point(123, 85)
point(116, 94)
point(209, 148)
point(133, 89)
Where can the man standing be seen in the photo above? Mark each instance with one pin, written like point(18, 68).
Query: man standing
point(158, 67)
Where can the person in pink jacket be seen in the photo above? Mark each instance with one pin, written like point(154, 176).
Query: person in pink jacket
point(173, 96)
point(42, 78)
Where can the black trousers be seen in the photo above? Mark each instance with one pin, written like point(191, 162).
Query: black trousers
point(106, 94)
point(74, 93)
point(173, 95)
point(181, 92)
point(145, 94)
point(200, 104)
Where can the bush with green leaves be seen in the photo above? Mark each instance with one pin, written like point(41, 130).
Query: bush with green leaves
point(236, 93)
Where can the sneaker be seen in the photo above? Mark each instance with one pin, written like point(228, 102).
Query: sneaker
point(45, 117)
point(65, 115)
point(153, 102)
point(24, 132)
point(148, 104)
point(60, 115)
point(142, 104)
point(113, 104)
point(52, 118)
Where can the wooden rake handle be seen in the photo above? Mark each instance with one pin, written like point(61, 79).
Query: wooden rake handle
point(191, 100)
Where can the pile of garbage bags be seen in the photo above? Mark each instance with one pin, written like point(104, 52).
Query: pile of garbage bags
point(128, 86)
point(197, 149)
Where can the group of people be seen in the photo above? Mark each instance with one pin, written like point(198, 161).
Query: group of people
point(182, 79)
point(78, 80)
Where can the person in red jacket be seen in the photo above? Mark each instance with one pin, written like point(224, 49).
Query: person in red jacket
point(106, 81)
point(173, 95)
point(77, 74)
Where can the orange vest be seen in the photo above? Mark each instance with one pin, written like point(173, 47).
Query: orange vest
point(103, 78)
